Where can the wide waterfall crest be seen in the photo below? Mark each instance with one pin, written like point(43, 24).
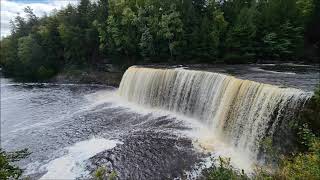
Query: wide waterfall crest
point(242, 112)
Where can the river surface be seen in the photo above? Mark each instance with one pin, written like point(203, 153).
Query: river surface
point(64, 125)
point(73, 129)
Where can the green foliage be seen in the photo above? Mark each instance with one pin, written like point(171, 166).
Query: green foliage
point(286, 43)
point(310, 116)
point(306, 136)
point(113, 175)
point(225, 172)
point(306, 165)
point(130, 31)
point(44, 73)
point(298, 166)
point(28, 50)
point(8, 54)
point(241, 37)
point(272, 156)
point(306, 7)
point(7, 169)
point(303, 165)
point(146, 43)
point(122, 37)
point(102, 173)
point(170, 29)
point(208, 39)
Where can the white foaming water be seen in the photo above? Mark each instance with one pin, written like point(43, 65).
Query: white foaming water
point(238, 114)
point(72, 165)
point(204, 140)
point(201, 134)
point(229, 116)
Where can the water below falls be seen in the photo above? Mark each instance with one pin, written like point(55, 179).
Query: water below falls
point(159, 124)
point(240, 112)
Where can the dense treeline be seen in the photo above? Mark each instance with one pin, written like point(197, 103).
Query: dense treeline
point(147, 31)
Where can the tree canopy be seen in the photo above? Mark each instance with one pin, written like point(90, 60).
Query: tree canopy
point(149, 31)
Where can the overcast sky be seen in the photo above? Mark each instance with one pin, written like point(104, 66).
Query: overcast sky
point(10, 8)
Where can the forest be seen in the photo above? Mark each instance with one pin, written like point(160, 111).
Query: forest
point(161, 31)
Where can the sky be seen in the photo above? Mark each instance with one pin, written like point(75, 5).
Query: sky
point(10, 8)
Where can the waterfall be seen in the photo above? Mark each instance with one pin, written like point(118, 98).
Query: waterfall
point(241, 112)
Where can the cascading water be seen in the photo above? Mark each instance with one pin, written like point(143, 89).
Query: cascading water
point(241, 112)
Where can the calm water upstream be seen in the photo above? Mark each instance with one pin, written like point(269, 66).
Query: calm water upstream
point(71, 129)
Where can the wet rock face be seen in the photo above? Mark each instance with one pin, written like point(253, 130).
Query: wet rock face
point(149, 155)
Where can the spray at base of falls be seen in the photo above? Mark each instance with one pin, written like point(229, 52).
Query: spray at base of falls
point(238, 112)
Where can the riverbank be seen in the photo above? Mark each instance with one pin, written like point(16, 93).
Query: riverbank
point(301, 76)
point(305, 77)
point(89, 77)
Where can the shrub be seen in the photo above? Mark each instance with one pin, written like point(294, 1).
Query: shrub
point(303, 165)
point(7, 169)
point(225, 171)
point(102, 173)
point(45, 73)
point(113, 175)
point(311, 113)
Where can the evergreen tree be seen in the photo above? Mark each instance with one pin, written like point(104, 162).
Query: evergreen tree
point(237, 31)
point(240, 41)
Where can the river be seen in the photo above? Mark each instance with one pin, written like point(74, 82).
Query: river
point(72, 129)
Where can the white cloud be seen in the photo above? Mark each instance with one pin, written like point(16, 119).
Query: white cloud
point(9, 10)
